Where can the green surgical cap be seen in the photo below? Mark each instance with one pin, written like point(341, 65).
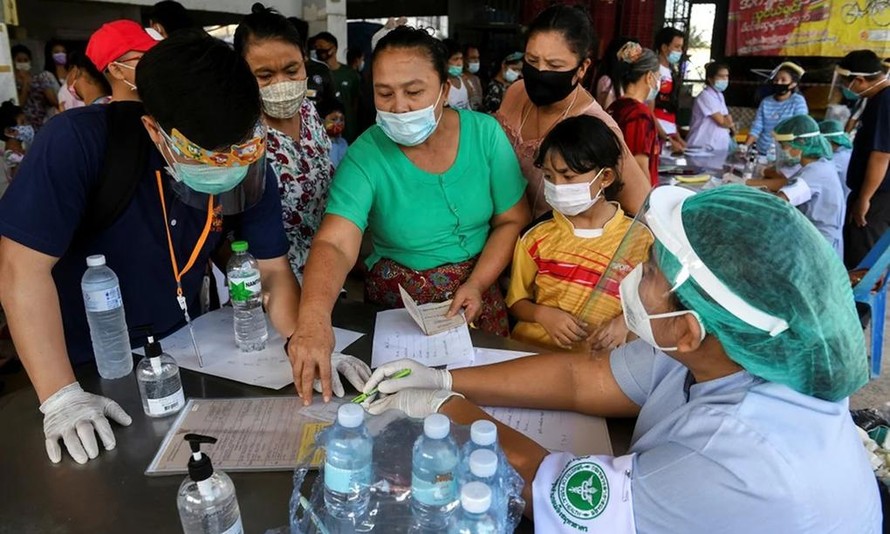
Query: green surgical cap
point(792, 274)
point(807, 137)
point(834, 131)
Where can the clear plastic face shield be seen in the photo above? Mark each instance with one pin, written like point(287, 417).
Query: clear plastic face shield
point(235, 176)
point(842, 84)
point(647, 295)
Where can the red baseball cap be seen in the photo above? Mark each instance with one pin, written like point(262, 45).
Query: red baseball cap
point(114, 39)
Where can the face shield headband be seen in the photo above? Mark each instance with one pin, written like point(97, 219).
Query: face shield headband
point(209, 172)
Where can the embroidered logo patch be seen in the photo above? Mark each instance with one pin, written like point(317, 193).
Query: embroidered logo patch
point(582, 491)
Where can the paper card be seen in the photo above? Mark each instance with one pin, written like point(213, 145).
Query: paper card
point(558, 431)
point(396, 337)
point(431, 317)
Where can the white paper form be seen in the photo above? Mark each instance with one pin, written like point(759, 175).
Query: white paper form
point(489, 356)
point(431, 317)
point(558, 431)
point(268, 368)
point(254, 434)
point(396, 336)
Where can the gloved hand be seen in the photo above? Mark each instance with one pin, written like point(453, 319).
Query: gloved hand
point(353, 369)
point(421, 377)
point(75, 416)
point(414, 402)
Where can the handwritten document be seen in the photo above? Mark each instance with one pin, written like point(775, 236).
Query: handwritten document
point(254, 434)
point(431, 317)
point(558, 431)
point(214, 331)
point(396, 336)
point(489, 356)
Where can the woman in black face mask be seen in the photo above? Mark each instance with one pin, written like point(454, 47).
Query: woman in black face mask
point(783, 103)
point(556, 60)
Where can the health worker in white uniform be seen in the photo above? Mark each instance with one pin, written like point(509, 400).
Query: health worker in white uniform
point(749, 346)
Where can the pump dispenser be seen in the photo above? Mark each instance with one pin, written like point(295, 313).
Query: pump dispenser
point(207, 502)
point(159, 383)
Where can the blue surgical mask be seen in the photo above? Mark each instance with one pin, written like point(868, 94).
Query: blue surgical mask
point(653, 92)
point(511, 75)
point(721, 85)
point(24, 133)
point(203, 178)
point(455, 70)
point(675, 57)
point(789, 160)
point(410, 128)
point(473, 67)
point(850, 94)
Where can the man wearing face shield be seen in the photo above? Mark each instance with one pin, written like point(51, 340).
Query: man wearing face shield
point(204, 175)
point(739, 382)
point(861, 74)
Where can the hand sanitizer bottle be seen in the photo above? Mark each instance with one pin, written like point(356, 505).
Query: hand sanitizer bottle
point(206, 500)
point(159, 384)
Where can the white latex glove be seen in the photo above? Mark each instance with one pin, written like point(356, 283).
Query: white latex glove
point(414, 402)
point(75, 416)
point(354, 370)
point(421, 377)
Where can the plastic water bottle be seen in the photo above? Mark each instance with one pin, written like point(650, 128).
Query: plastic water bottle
point(771, 154)
point(474, 516)
point(483, 467)
point(347, 466)
point(105, 315)
point(245, 290)
point(435, 460)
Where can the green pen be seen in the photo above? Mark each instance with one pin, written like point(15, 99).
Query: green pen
point(364, 396)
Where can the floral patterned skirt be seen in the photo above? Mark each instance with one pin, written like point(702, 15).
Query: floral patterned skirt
point(433, 285)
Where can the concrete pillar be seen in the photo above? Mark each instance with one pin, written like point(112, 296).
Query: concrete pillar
point(330, 16)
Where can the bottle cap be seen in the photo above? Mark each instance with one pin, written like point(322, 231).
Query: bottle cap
point(239, 246)
point(484, 432)
point(483, 463)
point(436, 426)
point(475, 497)
point(200, 467)
point(97, 260)
point(350, 415)
point(152, 348)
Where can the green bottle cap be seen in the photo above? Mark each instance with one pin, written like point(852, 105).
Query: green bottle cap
point(239, 246)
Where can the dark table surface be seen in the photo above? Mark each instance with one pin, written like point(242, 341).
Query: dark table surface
point(111, 493)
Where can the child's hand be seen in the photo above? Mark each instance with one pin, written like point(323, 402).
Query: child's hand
point(609, 335)
point(562, 327)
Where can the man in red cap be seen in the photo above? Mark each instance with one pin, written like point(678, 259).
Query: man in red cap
point(116, 49)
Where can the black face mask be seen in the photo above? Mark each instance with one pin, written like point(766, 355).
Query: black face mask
point(547, 87)
point(781, 88)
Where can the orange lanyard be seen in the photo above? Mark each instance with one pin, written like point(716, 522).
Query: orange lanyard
point(177, 274)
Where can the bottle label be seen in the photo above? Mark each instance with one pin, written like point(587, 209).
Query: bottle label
point(243, 289)
point(439, 493)
point(169, 404)
point(103, 300)
point(346, 480)
point(236, 528)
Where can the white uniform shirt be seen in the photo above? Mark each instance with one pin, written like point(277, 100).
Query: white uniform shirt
point(739, 454)
point(704, 132)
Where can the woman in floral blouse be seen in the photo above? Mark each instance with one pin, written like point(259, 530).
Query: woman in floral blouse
point(298, 147)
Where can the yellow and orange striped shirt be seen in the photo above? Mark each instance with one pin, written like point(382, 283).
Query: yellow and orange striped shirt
point(554, 267)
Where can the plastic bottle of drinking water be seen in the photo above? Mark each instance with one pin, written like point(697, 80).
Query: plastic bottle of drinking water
point(245, 290)
point(771, 154)
point(105, 315)
point(435, 461)
point(474, 516)
point(347, 467)
point(483, 467)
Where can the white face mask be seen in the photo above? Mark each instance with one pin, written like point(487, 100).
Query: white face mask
point(282, 100)
point(23, 65)
point(653, 91)
point(410, 128)
point(511, 75)
point(637, 318)
point(571, 199)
